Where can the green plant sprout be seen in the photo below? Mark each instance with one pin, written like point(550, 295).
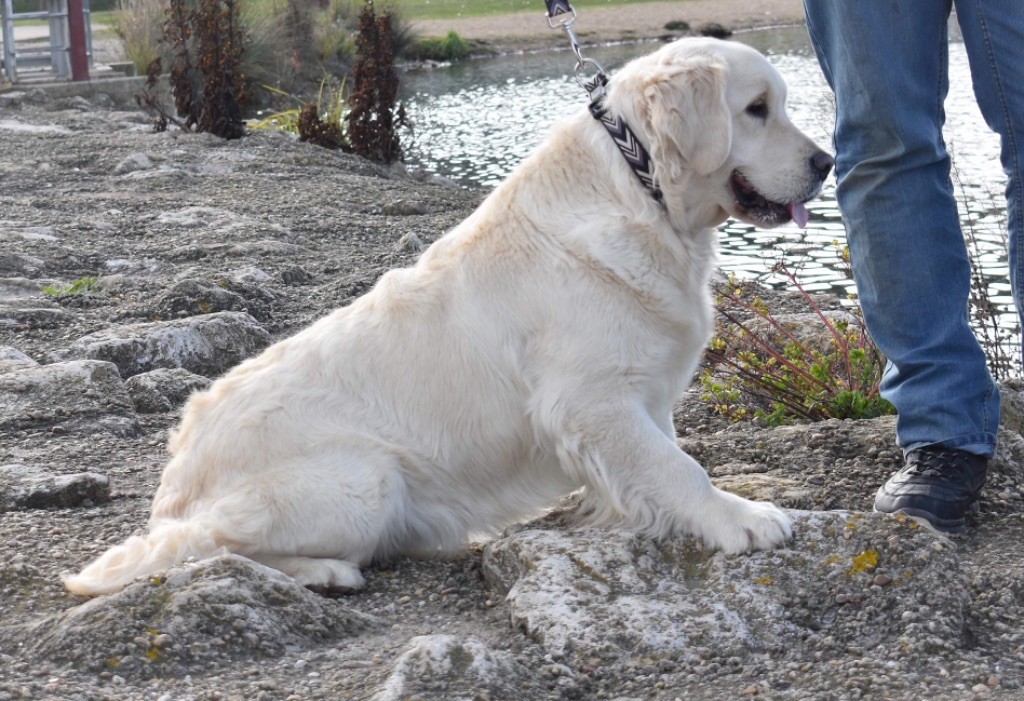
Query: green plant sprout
point(81, 286)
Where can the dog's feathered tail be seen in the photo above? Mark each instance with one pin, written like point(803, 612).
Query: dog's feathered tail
point(166, 545)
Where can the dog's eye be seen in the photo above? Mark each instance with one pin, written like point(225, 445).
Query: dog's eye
point(758, 108)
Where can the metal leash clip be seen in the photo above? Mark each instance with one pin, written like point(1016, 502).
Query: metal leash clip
point(559, 7)
point(629, 146)
point(556, 8)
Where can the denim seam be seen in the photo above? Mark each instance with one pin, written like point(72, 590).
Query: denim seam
point(942, 91)
point(942, 87)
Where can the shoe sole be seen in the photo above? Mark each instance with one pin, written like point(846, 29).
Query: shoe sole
point(929, 521)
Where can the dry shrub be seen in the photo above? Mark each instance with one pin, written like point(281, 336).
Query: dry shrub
point(206, 43)
point(758, 367)
point(374, 119)
point(318, 131)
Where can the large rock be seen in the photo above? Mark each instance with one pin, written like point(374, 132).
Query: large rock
point(79, 396)
point(449, 667)
point(34, 317)
point(18, 288)
point(161, 390)
point(825, 465)
point(880, 586)
point(202, 614)
point(20, 265)
point(206, 345)
point(1011, 395)
point(206, 217)
point(194, 297)
point(830, 464)
point(13, 359)
point(27, 487)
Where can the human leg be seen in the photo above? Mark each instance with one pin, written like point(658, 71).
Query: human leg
point(993, 32)
point(887, 66)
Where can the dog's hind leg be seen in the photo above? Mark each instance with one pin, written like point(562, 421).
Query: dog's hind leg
point(324, 514)
point(319, 573)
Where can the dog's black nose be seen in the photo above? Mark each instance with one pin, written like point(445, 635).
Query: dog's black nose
point(822, 164)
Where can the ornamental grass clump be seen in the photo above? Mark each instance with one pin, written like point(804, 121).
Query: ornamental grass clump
point(138, 25)
point(758, 366)
point(321, 122)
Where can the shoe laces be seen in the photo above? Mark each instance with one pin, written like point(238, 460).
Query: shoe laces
point(940, 463)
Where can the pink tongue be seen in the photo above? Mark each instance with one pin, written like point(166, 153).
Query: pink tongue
point(799, 213)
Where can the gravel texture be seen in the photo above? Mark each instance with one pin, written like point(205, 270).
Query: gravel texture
point(265, 235)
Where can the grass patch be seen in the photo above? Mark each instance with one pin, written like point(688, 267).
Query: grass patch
point(450, 9)
point(104, 17)
point(449, 48)
point(101, 17)
point(81, 286)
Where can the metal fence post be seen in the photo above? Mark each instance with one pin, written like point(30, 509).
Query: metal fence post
point(7, 29)
point(78, 40)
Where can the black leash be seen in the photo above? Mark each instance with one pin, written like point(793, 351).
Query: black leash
point(634, 153)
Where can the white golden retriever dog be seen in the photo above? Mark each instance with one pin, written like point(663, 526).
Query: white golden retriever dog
point(535, 349)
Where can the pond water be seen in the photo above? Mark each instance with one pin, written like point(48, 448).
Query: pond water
point(476, 120)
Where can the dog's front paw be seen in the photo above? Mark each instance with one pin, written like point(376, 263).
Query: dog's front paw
point(733, 524)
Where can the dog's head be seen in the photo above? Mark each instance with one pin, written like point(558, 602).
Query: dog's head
point(712, 114)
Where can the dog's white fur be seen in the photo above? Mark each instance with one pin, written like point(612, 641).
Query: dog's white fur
point(535, 349)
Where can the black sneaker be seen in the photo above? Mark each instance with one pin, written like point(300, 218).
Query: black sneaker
point(938, 485)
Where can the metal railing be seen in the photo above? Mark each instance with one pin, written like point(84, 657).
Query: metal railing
point(53, 52)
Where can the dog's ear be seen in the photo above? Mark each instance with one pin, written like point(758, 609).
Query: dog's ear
point(688, 122)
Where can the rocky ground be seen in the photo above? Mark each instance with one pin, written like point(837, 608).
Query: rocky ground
point(205, 251)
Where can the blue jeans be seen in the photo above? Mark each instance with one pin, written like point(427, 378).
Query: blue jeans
point(887, 64)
